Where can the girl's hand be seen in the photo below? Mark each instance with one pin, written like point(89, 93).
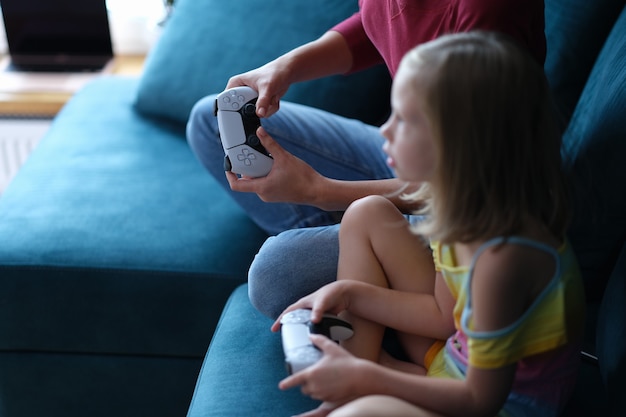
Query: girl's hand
point(332, 298)
point(290, 180)
point(333, 379)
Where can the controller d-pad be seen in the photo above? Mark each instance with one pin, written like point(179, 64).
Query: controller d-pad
point(246, 157)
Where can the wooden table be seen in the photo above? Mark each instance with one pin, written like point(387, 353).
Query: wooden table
point(47, 104)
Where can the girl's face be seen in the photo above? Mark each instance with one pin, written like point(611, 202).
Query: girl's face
point(410, 145)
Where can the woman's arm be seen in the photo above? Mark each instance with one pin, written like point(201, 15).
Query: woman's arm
point(292, 180)
point(328, 55)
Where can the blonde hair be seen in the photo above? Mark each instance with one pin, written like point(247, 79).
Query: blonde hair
point(498, 145)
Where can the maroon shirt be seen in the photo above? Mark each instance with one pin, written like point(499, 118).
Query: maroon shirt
point(385, 30)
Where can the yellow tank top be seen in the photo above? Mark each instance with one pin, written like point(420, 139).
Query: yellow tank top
point(541, 328)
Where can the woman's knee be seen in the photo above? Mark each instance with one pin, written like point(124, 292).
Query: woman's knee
point(264, 282)
point(202, 124)
point(291, 265)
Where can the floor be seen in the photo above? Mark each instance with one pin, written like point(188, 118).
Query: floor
point(18, 138)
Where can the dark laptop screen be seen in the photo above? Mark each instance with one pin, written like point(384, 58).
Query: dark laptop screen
point(56, 28)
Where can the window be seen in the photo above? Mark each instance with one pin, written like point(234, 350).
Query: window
point(134, 25)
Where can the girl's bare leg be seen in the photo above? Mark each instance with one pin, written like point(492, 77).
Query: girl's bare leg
point(377, 247)
point(380, 406)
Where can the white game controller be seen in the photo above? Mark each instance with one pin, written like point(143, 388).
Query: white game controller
point(237, 122)
point(300, 352)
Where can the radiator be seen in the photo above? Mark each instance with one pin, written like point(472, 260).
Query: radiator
point(18, 137)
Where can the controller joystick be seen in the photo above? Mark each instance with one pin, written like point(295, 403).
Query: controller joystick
point(249, 110)
point(237, 122)
point(300, 352)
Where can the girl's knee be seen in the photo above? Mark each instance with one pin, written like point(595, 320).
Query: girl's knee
point(361, 407)
point(369, 206)
point(360, 213)
point(379, 406)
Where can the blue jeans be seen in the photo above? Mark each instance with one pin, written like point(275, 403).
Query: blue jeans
point(302, 254)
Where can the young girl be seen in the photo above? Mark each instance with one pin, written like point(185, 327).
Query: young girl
point(493, 327)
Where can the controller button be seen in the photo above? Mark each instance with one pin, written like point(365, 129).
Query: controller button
point(249, 110)
point(246, 157)
point(227, 164)
point(253, 140)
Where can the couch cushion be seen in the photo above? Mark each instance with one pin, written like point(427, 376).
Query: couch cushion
point(61, 385)
point(208, 41)
point(243, 366)
point(594, 144)
point(612, 337)
point(575, 33)
point(105, 234)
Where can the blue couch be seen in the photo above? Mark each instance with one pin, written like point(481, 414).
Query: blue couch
point(122, 263)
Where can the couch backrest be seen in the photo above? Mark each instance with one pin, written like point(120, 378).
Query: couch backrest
point(208, 41)
point(594, 146)
point(611, 337)
point(593, 143)
point(575, 32)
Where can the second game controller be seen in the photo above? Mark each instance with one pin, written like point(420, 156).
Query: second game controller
point(300, 352)
point(237, 121)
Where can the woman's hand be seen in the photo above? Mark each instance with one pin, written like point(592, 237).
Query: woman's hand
point(271, 81)
point(322, 57)
point(290, 180)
